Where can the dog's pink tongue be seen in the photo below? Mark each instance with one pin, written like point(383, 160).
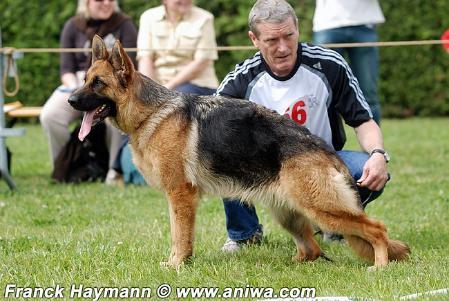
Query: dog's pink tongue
point(86, 125)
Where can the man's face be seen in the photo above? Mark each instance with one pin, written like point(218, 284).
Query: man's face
point(278, 43)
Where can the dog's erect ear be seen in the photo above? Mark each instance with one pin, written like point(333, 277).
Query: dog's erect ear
point(99, 51)
point(121, 62)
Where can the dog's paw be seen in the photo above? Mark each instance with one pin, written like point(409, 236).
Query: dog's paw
point(170, 266)
point(172, 263)
point(375, 268)
point(165, 265)
point(298, 259)
point(372, 268)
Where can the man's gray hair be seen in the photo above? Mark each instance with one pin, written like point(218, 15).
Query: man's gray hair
point(272, 11)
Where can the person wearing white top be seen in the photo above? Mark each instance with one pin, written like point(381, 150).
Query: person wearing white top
point(353, 21)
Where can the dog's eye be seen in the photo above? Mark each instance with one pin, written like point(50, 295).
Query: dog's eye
point(97, 82)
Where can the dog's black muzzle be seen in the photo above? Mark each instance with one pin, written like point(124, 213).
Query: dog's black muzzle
point(86, 102)
point(74, 101)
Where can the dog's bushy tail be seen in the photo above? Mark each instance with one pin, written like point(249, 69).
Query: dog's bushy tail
point(397, 250)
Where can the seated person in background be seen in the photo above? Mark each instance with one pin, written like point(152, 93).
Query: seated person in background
point(170, 39)
point(102, 17)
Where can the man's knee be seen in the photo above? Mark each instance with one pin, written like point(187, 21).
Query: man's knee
point(354, 161)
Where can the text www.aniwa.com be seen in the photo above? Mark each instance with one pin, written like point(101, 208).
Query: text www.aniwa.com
point(244, 292)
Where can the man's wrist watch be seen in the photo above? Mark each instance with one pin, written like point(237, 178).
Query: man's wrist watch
point(381, 151)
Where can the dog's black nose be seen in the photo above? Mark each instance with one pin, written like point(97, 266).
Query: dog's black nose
point(73, 99)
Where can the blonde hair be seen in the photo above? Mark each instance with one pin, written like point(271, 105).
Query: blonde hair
point(83, 11)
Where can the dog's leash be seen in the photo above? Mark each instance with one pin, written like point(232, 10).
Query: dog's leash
point(323, 255)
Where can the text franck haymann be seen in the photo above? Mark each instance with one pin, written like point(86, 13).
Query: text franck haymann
point(76, 291)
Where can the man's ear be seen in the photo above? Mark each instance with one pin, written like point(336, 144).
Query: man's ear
point(253, 38)
point(121, 62)
point(99, 51)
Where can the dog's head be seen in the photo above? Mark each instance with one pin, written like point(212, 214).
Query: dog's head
point(105, 85)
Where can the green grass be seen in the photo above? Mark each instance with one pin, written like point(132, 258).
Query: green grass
point(96, 235)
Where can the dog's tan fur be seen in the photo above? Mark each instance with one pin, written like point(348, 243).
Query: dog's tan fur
point(311, 186)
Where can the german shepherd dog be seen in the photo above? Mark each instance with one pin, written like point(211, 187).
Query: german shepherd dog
point(189, 144)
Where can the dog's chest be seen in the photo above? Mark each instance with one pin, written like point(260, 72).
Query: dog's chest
point(147, 164)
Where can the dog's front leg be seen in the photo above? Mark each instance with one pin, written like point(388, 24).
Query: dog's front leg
point(182, 205)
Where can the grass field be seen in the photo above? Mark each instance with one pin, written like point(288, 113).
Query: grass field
point(100, 236)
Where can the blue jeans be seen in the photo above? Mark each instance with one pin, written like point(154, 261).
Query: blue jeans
point(194, 89)
point(242, 221)
point(364, 61)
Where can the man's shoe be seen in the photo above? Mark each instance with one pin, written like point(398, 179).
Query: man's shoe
point(232, 246)
point(329, 237)
point(332, 237)
point(113, 178)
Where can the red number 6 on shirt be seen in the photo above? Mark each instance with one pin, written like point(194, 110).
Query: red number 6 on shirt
point(297, 112)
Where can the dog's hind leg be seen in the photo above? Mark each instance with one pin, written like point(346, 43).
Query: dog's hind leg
point(338, 218)
point(182, 207)
point(299, 227)
point(366, 236)
point(326, 198)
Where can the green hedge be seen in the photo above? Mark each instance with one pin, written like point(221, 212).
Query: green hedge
point(414, 79)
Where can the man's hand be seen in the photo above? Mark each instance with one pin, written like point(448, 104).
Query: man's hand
point(375, 173)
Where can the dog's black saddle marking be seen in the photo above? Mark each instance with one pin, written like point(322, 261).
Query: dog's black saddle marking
point(244, 141)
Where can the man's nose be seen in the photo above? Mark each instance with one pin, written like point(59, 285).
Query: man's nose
point(283, 46)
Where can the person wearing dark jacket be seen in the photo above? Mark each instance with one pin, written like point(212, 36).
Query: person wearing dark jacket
point(102, 17)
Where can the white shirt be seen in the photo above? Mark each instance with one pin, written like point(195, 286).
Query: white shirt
point(340, 13)
point(304, 98)
point(172, 47)
point(320, 88)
